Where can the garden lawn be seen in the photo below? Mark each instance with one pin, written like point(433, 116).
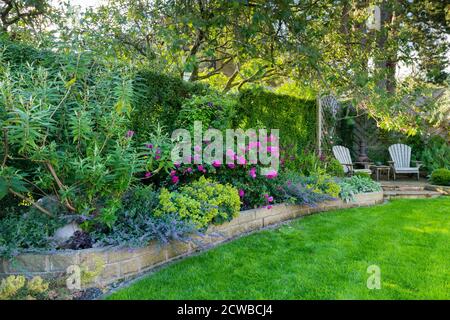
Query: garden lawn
point(324, 256)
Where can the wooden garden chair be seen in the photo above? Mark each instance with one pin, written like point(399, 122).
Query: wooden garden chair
point(342, 154)
point(401, 160)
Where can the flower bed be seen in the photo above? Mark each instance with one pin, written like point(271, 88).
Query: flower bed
point(102, 266)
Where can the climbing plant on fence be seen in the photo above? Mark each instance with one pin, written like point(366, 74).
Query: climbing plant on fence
point(296, 118)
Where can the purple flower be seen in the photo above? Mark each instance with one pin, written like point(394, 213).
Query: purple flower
point(175, 179)
point(148, 175)
point(231, 165)
point(130, 134)
point(157, 157)
point(149, 145)
point(173, 173)
point(241, 193)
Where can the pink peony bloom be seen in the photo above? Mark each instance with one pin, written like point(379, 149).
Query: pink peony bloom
point(269, 207)
point(201, 168)
point(157, 157)
point(172, 173)
point(241, 193)
point(189, 170)
point(231, 165)
point(270, 199)
point(175, 179)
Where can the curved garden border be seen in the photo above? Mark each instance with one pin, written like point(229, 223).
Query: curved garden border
point(102, 266)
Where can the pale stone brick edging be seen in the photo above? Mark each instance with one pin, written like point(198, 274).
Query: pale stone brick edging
point(111, 264)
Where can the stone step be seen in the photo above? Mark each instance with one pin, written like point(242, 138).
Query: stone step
point(402, 188)
point(411, 194)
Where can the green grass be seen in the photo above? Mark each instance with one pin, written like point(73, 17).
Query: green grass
point(324, 256)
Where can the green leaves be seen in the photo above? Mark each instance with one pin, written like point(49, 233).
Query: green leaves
point(11, 179)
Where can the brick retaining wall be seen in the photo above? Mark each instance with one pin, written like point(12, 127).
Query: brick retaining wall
point(110, 264)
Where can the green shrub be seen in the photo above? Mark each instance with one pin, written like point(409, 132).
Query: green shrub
point(19, 288)
point(355, 185)
point(159, 98)
point(202, 202)
point(363, 175)
point(214, 110)
point(296, 118)
point(136, 224)
point(26, 232)
point(334, 168)
point(69, 128)
point(441, 177)
point(436, 154)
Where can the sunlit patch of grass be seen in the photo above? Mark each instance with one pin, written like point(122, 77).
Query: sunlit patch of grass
point(324, 256)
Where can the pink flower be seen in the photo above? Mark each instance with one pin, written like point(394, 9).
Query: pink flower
point(197, 148)
point(241, 160)
point(157, 157)
point(269, 207)
point(272, 174)
point(158, 151)
point(270, 199)
point(148, 175)
point(216, 163)
point(175, 179)
point(189, 170)
point(252, 172)
point(130, 134)
point(201, 168)
point(241, 193)
point(231, 165)
point(173, 173)
point(177, 165)
point(150, 146)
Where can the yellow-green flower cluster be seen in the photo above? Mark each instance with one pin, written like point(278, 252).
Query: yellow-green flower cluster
point(12, 285)
point(202, 202)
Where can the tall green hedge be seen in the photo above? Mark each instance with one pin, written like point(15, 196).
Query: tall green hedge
point(296, 118)
point(159, 99)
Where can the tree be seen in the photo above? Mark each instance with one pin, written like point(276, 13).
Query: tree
point(13, 12)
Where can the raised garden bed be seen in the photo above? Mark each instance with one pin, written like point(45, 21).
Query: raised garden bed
point(103, 266)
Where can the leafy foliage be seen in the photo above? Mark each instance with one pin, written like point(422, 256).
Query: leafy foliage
point(159, 99)
point(295, 118)
point(62, 136)
point(436, 154)
point(355, 185)
point(19, 288)
point(201, 202)
point(441, 177)
point(26, 232)
point(136, 224)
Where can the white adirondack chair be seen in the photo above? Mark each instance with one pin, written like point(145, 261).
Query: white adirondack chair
point(342, 154)
point(401, 160)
